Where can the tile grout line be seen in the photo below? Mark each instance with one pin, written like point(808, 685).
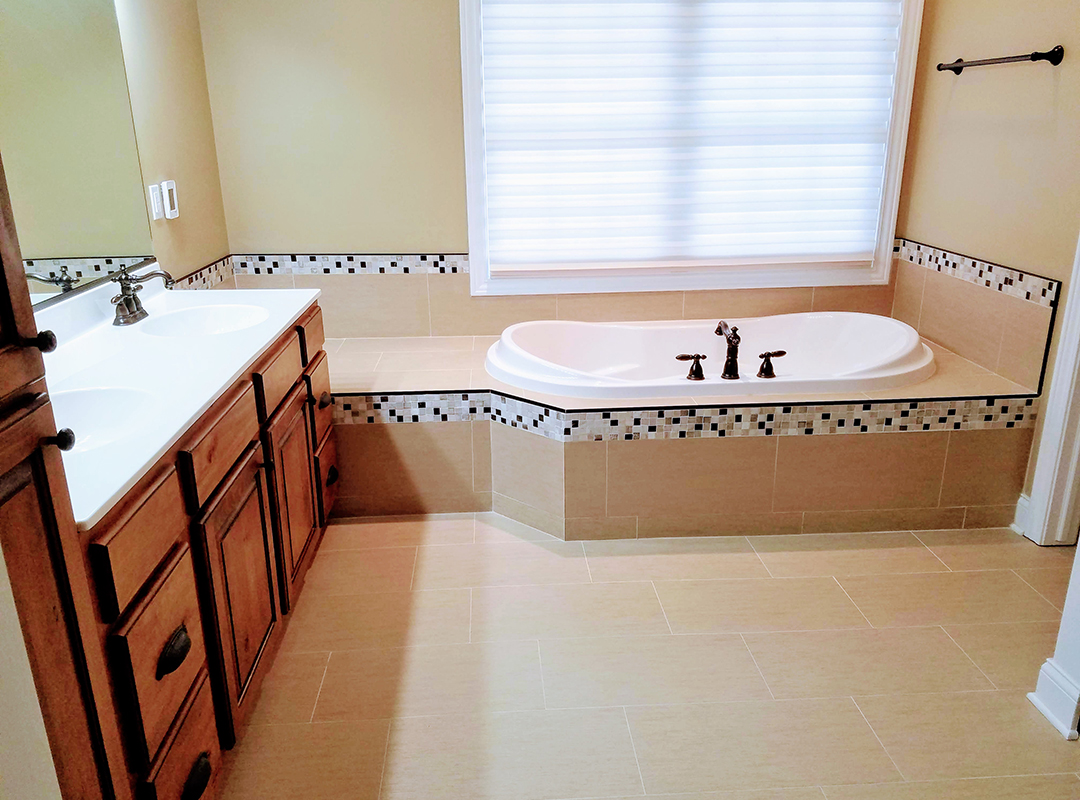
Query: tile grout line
point(762, 560)
point(318, 694)
point(775, 469)
point(848, 596)
point(585, 554)
point(1040, 594)
point(757, 666)
point(543, 685)
point(944, 468)
point(935, 555)
point(969, 658)
point(385, 757)
point(470, 613)
point(633, 747)
point(899, 771)
point(662, 609)
point(412, 575)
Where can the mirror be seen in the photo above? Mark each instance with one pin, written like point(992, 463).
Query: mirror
point(68, 143)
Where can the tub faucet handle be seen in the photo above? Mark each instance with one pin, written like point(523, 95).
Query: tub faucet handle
point(696, 372)
point(766, 370)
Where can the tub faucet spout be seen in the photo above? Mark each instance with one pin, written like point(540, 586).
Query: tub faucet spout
point(731, 363)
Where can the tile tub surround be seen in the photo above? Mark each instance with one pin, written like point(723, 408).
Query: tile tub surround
point(756, 665)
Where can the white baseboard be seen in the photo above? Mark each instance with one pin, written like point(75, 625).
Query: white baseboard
point(1058, 697)
point(1023, 510)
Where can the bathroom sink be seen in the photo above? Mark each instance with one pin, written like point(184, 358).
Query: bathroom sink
point(203, 320)
point(99, 417)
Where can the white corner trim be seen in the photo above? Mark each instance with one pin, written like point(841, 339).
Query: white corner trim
point(1058, 697)
point(1023, 513)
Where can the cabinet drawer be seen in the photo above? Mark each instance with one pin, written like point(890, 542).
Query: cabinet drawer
point(327, 470)
point(312, 337)
point(317, 376)
point(189, 767)
point(158, 651)
point(276, 375)
point(220, 439)
point(132, 547)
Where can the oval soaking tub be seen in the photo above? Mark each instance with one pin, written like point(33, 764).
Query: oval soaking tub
point(825, 352)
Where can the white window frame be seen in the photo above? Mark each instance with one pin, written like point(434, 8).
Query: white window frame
point(742, 273)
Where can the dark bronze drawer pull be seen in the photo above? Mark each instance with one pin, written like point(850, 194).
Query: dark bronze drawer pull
point(44, 341)
point(64, 439)
point(198, 779)
point(326, 400)
point(332, 476)
point(174, 652)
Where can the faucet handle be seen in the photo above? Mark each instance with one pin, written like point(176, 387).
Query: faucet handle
point(696, 372)
point(767, 370)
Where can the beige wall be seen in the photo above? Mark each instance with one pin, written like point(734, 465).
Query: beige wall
point(339, 124)
point(171, 107)
point(65, 131)
point(993, 160)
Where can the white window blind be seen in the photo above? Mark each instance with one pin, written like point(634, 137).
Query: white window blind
point(683, 132)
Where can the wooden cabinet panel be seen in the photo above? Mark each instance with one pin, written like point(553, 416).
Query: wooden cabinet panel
point(327, 471)
point(137, 536)
point(235, 540)
point(312, 336)
point(317, 376)
point(217, 441)
point(157, 653)
point(189, 767)
point(276, 374)
point(295, 508)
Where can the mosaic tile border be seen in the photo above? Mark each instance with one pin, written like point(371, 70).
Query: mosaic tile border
point(1013, 282)
point(91, 267)
point(350, 264)
point(700, 422)
point(209, 276)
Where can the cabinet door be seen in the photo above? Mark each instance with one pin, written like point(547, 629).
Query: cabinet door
point(20, 363)
point(296, 513)
point(235, 541)
point(40, 548)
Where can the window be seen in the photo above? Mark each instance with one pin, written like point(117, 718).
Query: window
point(681, 144)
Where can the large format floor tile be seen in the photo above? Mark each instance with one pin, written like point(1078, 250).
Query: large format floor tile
point(1052, 584)
point(757, 605)
point(843, 663)
point(978, 734)
point(402, 532)
point(546, 612)
point(500, 564)
point(947, 598)
point(756, 745)
point(763, 794)
point(1009, 653)
point(413, 681)
point(538, 755)
point(387, 569)
point(844, 554)
point(643, 670)
point(998, 548)
point(1039, 787)
point(673, 559)
point(290, 689)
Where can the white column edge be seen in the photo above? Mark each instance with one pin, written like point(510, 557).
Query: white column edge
point(1057, 696)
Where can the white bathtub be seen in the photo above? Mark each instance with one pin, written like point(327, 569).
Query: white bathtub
point(826, 352)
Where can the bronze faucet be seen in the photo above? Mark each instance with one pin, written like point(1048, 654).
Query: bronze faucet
point(129, 308)
point(731, 363)
point(767, 370)
point(696, 372)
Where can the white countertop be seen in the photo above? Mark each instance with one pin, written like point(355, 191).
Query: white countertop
point(129, 395)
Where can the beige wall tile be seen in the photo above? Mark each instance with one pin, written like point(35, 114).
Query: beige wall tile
point(400, 532)
point(744, 524)
point(265, 282)
point(907, 300)
point(544, 612)
point(1027, 332)
point(986, 467)
point(987, 517)
point(1050, 583)
point(843, 663)
point(596, 528)
point(527, 515)
point(371, 305)
point(348, 572)
point(954, 376)
point(396, 619)
point(930, 736)
point(966, 318)
point(844, 554)
point(946, 598)
point(668, 477)
point(446, 380)
point(645, 670)
point(411, 344)
point(757, 605)
point(481, 446)
point(673, 559)
point(871, 471)
point(1002, 548)
point(415, 681)
point(1011, 653)
point(430, 361)
point(586, 478)
point(500, 564)
point(741, 303)
point(407, 468)
point(620, 306)
point(755, 745)
point(455, 312)
point(290, 689)
point(864, 299)
point(274, 762)
point(527, 468)
point(536, 754)
point(1044, 787)
point(896, 519)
